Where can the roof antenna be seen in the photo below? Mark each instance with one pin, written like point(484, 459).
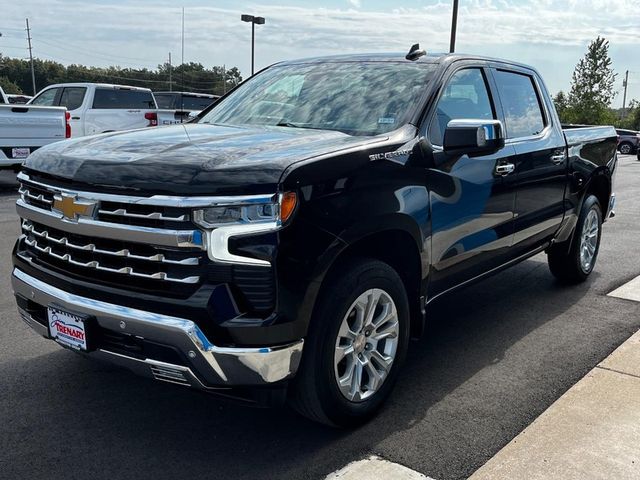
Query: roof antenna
point(415, 53)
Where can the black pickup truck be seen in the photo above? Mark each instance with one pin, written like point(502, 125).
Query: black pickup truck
point(286, 244)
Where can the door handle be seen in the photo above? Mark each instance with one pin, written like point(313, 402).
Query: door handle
point(75, 118)
point(504, 169)
point(557, 159)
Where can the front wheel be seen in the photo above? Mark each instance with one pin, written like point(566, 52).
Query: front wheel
point(572, 263)
point(356, 344)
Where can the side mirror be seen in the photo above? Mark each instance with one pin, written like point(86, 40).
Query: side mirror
point(473, 137)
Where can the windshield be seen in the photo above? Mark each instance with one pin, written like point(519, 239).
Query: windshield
point(363, 98)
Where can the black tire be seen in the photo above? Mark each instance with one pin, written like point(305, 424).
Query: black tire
point(564, 258)
point(314, 391)
point(625, 148)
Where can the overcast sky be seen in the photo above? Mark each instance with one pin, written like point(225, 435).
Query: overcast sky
point(551, 35)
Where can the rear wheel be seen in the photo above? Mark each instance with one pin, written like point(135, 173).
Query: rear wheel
point(356, 344)
point(625, 148)
point(573, 262)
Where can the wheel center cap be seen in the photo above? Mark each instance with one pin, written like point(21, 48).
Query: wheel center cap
point(359, 343)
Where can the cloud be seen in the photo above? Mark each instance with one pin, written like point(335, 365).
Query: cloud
point(356, 3)
point(142, 33)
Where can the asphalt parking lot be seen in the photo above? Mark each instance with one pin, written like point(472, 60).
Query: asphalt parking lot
point(498, 354)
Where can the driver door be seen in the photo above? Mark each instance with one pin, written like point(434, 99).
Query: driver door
point(472, 209)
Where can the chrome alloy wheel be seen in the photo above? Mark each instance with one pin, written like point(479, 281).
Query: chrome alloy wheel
point(366, 345)
point(589, 241)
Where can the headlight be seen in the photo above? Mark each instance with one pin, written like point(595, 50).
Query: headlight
point(249, 215)
point(255, 211)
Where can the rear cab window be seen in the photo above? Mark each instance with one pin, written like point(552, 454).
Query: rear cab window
point(47, 98)
point(121, 98)
point(521, 103)
point(190, 102)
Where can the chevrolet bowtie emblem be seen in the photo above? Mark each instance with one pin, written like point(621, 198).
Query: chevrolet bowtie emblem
point(72, 208)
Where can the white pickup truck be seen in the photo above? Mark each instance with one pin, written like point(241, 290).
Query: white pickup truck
point(179, 107)
point(25, 128)
point(99, 108)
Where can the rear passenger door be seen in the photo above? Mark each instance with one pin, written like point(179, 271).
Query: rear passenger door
point(471, 210)
point(540, 160)
point(73, 98)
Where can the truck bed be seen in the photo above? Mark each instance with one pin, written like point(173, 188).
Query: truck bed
point(25, 128)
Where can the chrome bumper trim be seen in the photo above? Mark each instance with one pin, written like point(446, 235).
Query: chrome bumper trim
point(213, 366)
point(612, 206)
point(112, 231)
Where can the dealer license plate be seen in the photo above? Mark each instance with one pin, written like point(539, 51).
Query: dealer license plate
point(20, 152)
point(68, 329)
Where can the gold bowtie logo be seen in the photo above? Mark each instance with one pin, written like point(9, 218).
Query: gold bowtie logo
point(72, 208)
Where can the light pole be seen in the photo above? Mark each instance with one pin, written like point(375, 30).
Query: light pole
point(254, 21)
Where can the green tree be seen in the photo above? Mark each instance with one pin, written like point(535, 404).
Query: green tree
point(9, 87)
point(592, 87)
point(632, 117)
point(561, 102)
point(192, 77)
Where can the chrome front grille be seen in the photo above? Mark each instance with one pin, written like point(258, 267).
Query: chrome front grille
point(121, 238)
point(40, 244)
point(123, 212)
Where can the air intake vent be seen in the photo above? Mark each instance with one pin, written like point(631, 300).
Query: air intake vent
point(167, 373)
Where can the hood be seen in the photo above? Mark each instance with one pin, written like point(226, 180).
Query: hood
point(192, 159)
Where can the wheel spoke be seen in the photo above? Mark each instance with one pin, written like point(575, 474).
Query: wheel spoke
point(388, 312)
point(375, 377)
point(372, 303)
point(389, 330)
point(342, 351)
point(383, 361)
point(356, 382)
point(346, 332)
point(346, 381)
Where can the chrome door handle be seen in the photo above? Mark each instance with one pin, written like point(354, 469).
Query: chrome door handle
point(504, 169)
point(557, 159)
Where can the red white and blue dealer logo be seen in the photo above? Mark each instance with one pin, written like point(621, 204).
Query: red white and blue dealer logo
point(67, 329)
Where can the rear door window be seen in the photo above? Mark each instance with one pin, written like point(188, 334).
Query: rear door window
point(521, 103)
point(72, 97)
point(466, 96)
point(46, 98)
point(120, 98)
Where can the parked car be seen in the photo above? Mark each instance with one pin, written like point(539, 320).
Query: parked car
point(24, 129)
point(184, 105)
point(18, 99)
point(628, 141)
point(99, 108)
point(287, 243)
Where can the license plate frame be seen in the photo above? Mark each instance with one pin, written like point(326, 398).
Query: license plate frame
point(69, 329)
point(20, 152)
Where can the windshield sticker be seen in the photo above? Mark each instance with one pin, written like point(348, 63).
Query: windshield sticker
point(386, 120)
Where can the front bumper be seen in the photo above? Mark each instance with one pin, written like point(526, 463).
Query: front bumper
point(205, 366)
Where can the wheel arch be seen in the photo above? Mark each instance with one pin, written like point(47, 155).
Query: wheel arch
point(396, 247)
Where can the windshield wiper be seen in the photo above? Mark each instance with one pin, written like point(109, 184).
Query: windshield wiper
point(297, 125)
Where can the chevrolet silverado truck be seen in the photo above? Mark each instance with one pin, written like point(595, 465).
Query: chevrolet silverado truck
point(24, 129)
point(286, 244)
